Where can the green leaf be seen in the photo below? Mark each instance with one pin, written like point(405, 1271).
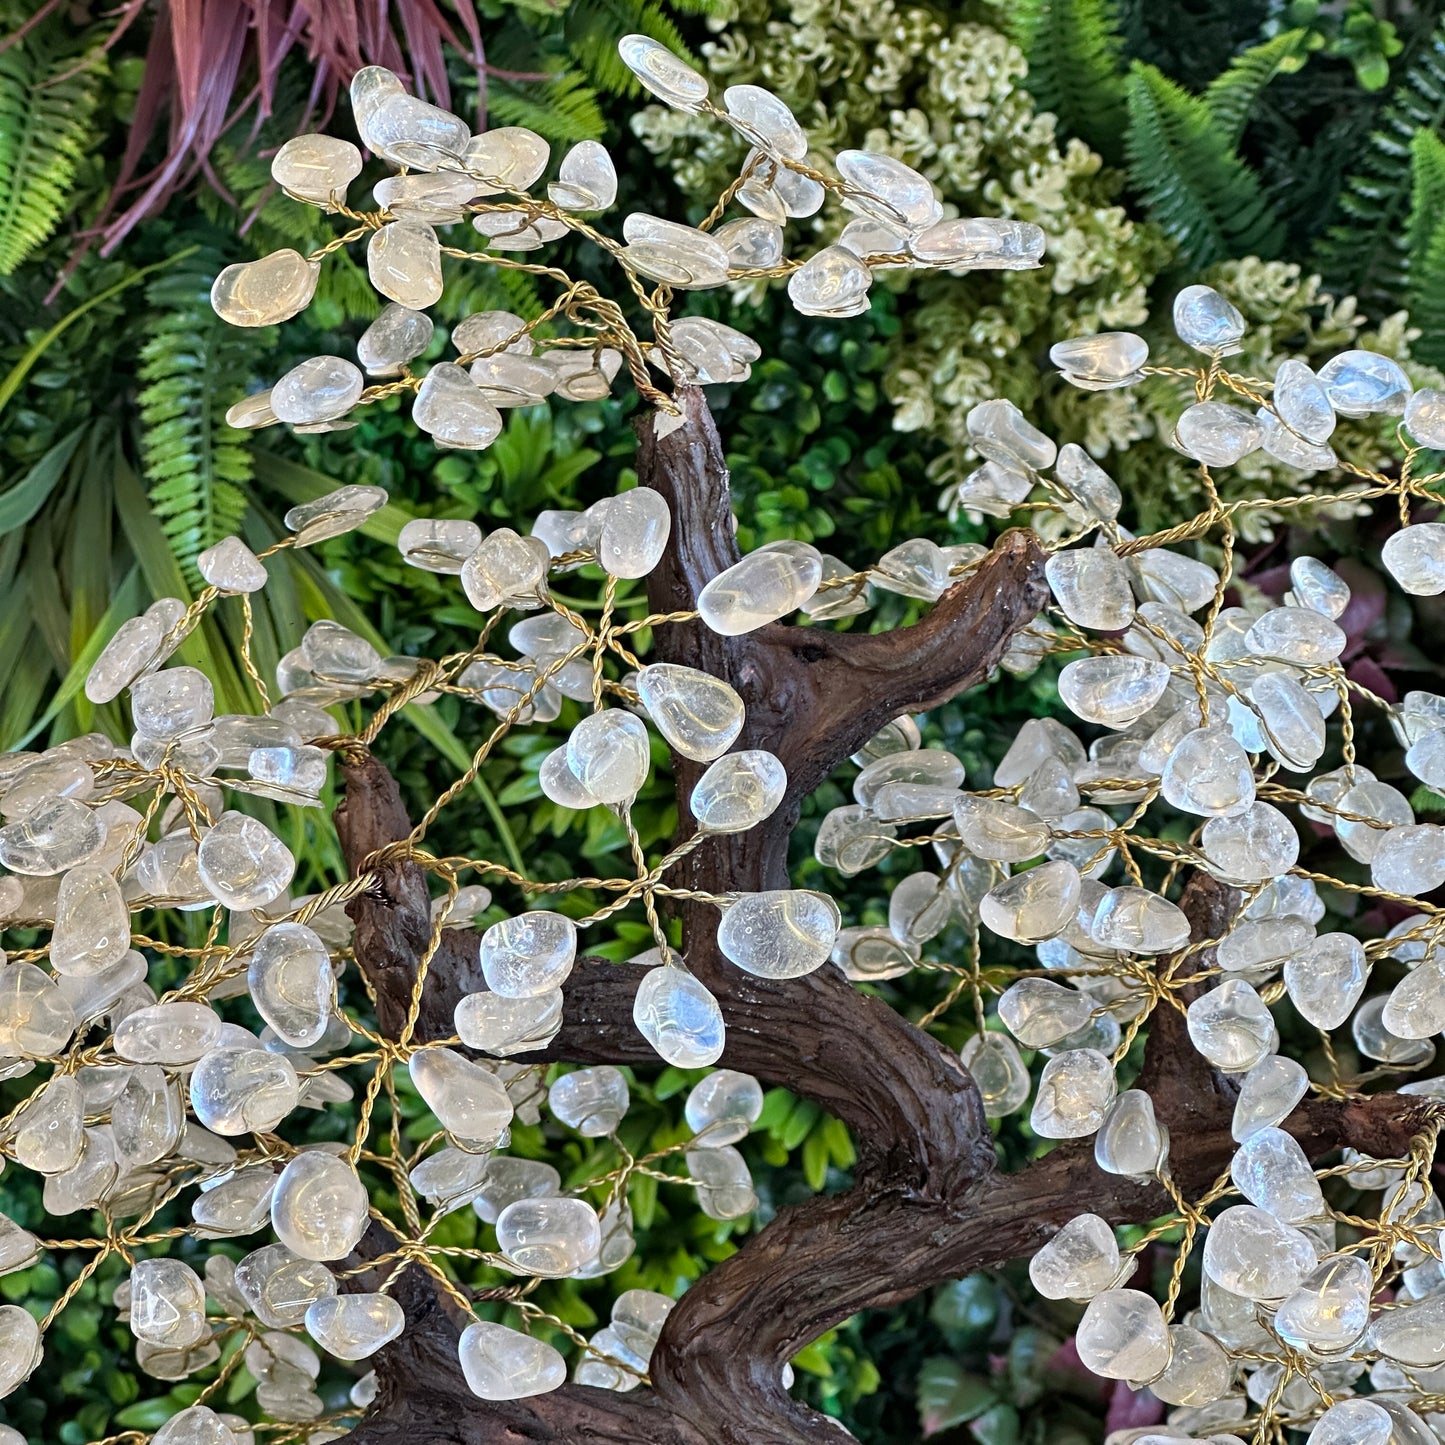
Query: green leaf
point(1425, 232)
point(1074, 51)
point(966, 1309)
point(18, 504)
point(815, 1160)
point(299, 483)
point(998, 1425)
point(1231, 95)
point(949, 1395)
point(1183, 164)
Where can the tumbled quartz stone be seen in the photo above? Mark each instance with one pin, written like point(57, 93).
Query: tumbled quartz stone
point(832, 282)
point(1123, 1336)
point(1209, 774)
point(504, 1364)
point(998, 431)
point(243, 863)
point(499, 1025)
point(723, 1107)
point(167, 1303)
point(1002, 1079)
point(240, 1204)
point(1297, 635)
point(1363, 383)
point(586, 179)
point(1199, 1370)
point(51, 838)
point(1172, 578)
point(658, 70)
point(171, 1034)
point(198, 1425)
point(528, 955)
point(699, 715)
point(1258, 845)
point(261, 293)
point(1302, 402)
point(134, 647)
point(551, 1237)
point(1270, 1169)
point(1251, 1253)
point(1412, 1335)
point(316, 168)
point(679, 1017)
point(1353, 1422)
point(1091, 586)
point(280, 1285)
point(1204, 320)
point(724, 1183)
point(1329, 1313)
point(338, 512)
point(354, 1326)
point(291, 983)
point(1232, 1027)
point(883, 188)
point(409, 131)
point(1268, 1094)
point(507, 570)
point(784, 933)
point(1410, 859)
point(92, 922)
point(451, 408)
point(1415, 557)
point(469, 1101)
point(1113, 690)
point(1131, 1141)
point(397, 336)
point(318, 1208)
point(1075, 1091)
point(591, 1101)
point(1415, 1008)
point(439, 544)
point(1105, 360)
point(1040, 1013)
point(243, 1090)
point(1137, 920)
point(762, 587)
point(320, 389)
point(404, 262)
point(607, 752)
point(169, 703)
point(998, 830)
point(1216, 433)
point(738, 791)
point(1034, 905)
point(49, 1138)
point(1079, 1262)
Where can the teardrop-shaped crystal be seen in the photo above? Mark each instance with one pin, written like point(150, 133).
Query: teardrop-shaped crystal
point(1415, 558)
point(50, 1130)
point(1363, 383)
point(1033, 905)
point(1204, 320)
point(495, 1024)
point(1208, 774)
point(316, 168)
point(1268, 1094)
point(1412, 1335)
point(528, 955)
point(1416, 1007)
point(92, 922)
point(1075, 1091)
point(1102, 361)
point(1131, 1141)
point(1003, 1081)
point(321, 388)
point(291, 982)
point(1329, 1313)
point(1079, 1262)
point(699, 715)
point(1353, 1422)
point(998, 830)
point(1251, 1253)
point(660, 71)
point(586, 179)
point(1112, 690)
point(1271, 1170)
point(504, 1364)
point(470, 1102)
point(738, 791)
point(243, 863)
point(1231, 1026)
point(354, 1326)
point(261, 293)
point(318, 1209)
point(551, 1237)
point(679, 1018)
point(780, 934)
point(1259, 844)
point(1123, 1336)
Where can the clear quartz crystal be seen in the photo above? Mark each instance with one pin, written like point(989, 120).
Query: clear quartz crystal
point(738, 791)
point(780, 934)
point(607, 752)
point(528, 955)
point(1353, 1422)
point(586, 179)
point(469, 1101)
point(591, 1101)
point(319, 389)
point(1075, 1092)
point(1363, 383)
point(723, 1107)
point(1268, 1094)
point(452, 408)
point(699, 715)
point(92, 922)
point(550, 1237)
point(1123, 1336)
point(318, 1208)
point(243, 863)
point(1199, 1371)
point(1232, 1027)
point(261, 293)
point(1251, 1253)
point(1206, 321)
point(679, 1017)
point(1415, 558)
point(1131, 1141)
point(1217, 433)
point(1330, 1311)
point(354, 1326)
point(1208, 773)
point(1091, 586)
point(316, 168)
point(832, 282)
point(1270, 1169)
point(1079, 1262)
point(1103, 361)
point(503, 1364)
point(635, 528)
point(496, 1024)
point(1035, 905)
point(1113, 690)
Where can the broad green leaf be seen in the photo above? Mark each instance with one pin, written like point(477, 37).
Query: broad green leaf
point(949, 1395)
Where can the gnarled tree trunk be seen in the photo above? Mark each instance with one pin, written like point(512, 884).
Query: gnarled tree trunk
point(928, 1203)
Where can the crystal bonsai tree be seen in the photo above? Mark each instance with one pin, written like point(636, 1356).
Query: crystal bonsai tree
point(1149, 856)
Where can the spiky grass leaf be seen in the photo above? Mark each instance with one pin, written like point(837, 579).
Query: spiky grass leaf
point(1194, 184)
point(1076, 68)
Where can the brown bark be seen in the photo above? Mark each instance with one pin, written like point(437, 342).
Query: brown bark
point(928, 1203)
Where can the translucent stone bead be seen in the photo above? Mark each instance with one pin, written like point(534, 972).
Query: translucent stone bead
point(261, 293)
point(1415, 1008)
point(280, 1286)
point(243, 1090)
point(433, 200)
point(1208, 774)
point(470, 1102)
point(1199, 1370)
point(1268, 1094)
point(291, 983)
point(784, 933)
point(198, 1425)
point(711, 352)
point(1251, 1253)
point(354, 1326)
point(738, 791)
point(1258, 845)
point(1329, 1313)
point(495, 1024)
point(1364, 383)
point(1038, 740)
point(167, 704)
point(1093, 490)
point(1370, 799)
point(608, 753)
point(1113, 690)
point(586, 179)
point(999, 432)
point(238, 1205)
point(1136, 920)
point(1003, 1081)
point(451, 408)
point(1079, 1262)
point(1412, 1335)
point(1415, 557)
point(404, 262)
point(397, 336)
point(1232, 1027)
point(980, 243)
point(699, 715)
point(320, 389)
point(511, 156)
point(1179, 581)
point(761, 588)
point(92, 922)
point(920, 908)
point(1040, 1013)
point(998, 830)
point(1091, 586)
point(412, 133)
point(1302, 403)
point(1035, 905)
point(551, 1237)
point(1204, 320)
point(1131, 1141)
point(170, 1034)
point(506, 1179)
point(832, 282)
point(679, 1018)
point(439, 545)
point(316, 168)
point(1075, 1091)
point(504, 1364)
point(1376, 1041)
point(318, 1209)
point(1217, 434)
point(243, 863)
point(723, 1107)
point(338, 512)
point(1296, 635)
point(674, 254)
point(1123, 1336)
point(1271, 1170)
point(591, 1101)
point(167, 1303)
point(134, 647)
point(886, 190)
point(148, 1117)
point(1101, 362)
point(1318, 588)
point(658, 70)
point(1410, 860)
point(724, 1183)
point(506, 571)
point(49, 1133)
point(1425, 418)
point(528, 955)
point(1353, 1422)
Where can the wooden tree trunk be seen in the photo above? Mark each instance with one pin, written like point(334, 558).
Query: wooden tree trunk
point(928, 1203)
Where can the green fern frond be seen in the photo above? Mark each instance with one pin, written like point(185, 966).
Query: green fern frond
point(1425, 235)
point(1366, 253)
point(592, 29)
point(563, 110)
point(45, 131)
point(1427, 191)
point(192, 367)
point(1191, 180)
point(1074, 51)
point(1231, 95)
